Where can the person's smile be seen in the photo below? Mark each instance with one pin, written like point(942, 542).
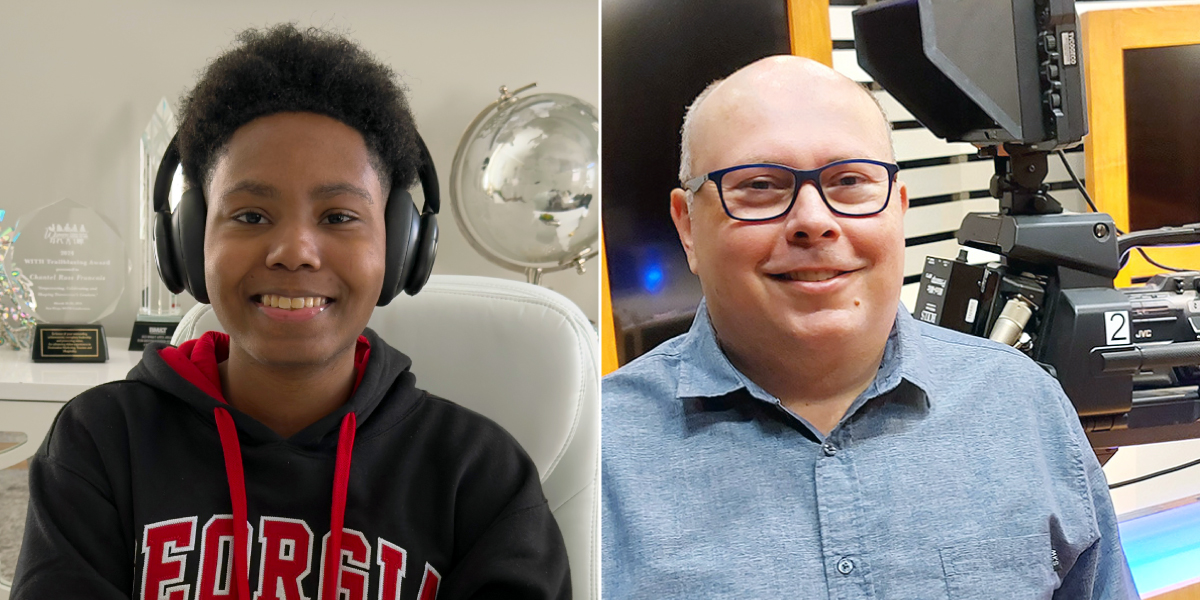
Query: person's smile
point(292, 307)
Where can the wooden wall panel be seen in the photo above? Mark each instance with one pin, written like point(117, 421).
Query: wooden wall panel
point(808, 25)
point(1105, 36)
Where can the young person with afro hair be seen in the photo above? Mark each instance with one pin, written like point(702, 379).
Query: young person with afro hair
point(293, 458)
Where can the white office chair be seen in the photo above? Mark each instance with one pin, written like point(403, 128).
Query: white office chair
point(525, 357)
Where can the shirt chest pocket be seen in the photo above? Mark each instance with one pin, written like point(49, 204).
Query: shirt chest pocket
point(1017, 567)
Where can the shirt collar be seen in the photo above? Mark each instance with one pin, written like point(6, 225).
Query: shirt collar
point(705, 371)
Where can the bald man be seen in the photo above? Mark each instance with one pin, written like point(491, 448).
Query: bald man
point(807, 438)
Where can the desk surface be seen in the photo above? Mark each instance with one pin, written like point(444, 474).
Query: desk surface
point(23, 379)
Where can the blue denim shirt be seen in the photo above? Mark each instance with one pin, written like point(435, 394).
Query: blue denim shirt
point(961, 472)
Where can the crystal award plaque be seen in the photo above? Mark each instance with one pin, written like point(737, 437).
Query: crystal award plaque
point(159, 314)
point(76, 263)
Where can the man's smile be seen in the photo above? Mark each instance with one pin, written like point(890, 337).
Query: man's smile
point(811, 275)
point(820, 275)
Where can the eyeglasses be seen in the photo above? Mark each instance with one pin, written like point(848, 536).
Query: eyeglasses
point(760, 192)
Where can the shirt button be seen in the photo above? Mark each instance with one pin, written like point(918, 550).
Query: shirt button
point(829, 449)
point(845, 566)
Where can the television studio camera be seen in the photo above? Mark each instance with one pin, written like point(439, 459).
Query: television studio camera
point(1129, 359)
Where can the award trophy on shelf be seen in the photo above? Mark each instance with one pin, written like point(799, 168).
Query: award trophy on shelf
point(160, 313)
point(75, 261)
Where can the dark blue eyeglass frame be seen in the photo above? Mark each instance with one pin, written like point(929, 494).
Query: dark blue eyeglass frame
point(800, 176)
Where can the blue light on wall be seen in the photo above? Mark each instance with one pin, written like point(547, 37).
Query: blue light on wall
point(653, 280)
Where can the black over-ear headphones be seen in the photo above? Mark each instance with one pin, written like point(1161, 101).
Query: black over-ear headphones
point(411, 235)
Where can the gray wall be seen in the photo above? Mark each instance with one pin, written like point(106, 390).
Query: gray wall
point(79, 81)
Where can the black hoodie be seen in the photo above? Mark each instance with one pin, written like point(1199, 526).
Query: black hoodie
point(130, 494)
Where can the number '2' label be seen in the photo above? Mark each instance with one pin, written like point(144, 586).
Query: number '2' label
point(1116, 327)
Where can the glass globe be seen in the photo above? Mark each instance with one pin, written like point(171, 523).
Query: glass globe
point(524, 180)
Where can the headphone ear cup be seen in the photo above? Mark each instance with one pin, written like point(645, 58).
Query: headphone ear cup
point(164, 254)
point(188, 222)
point(426, 251)
point(400, 220)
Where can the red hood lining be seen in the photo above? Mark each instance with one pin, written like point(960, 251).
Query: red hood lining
point(196, 361)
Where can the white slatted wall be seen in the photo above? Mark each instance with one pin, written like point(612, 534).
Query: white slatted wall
point(945, 180)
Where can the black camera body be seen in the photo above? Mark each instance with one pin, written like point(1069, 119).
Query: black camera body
point(1129, 359)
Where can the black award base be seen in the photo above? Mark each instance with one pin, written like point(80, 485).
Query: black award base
point(148, 329)
point(69, 343)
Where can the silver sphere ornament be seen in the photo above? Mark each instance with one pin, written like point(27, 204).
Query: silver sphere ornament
point(524, 180)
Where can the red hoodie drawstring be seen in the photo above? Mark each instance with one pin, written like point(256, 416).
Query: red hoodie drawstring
point(332, 569)
point(237, 495)
point(341, 482)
